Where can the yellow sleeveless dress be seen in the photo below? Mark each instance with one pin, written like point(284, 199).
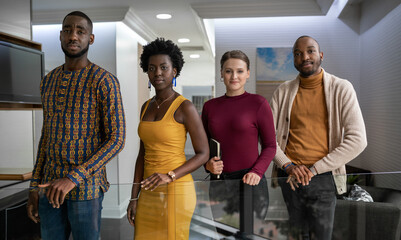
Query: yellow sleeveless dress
point(166, 212)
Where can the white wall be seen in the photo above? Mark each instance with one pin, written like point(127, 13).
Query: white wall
point(15, 18)
point(338, 42)
point(380, 97)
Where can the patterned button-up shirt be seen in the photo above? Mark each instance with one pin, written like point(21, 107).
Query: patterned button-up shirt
point(83, 129)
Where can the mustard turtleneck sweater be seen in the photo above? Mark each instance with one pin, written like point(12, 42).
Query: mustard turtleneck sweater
point(308, 139)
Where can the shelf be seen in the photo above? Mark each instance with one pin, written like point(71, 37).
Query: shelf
point(15, 173)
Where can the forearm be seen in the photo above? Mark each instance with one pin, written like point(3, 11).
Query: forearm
point(199, 159)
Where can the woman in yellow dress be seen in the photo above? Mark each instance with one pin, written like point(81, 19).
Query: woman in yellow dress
point(163, 194)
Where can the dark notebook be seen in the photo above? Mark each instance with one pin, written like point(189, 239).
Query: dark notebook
point(214, 147)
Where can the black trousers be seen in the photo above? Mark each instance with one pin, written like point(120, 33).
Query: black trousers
point(226, 189)
point(311, 208)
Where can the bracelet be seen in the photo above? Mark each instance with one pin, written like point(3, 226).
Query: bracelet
point(288, 166)
point(133, 199)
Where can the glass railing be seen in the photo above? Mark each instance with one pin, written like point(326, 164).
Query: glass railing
point(227, 209)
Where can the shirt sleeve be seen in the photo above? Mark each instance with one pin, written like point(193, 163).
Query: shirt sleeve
point(267, 139)
point(40, 160)
point(112, 116)
point(37, 172)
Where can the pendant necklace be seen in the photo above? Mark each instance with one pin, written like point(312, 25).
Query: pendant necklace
point(158, 105)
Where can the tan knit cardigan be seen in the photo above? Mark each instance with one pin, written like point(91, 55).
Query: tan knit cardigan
point(347, 134)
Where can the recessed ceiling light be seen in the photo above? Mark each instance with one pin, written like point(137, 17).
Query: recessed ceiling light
point(163, 16)
point(183, 40)
point(194, 56)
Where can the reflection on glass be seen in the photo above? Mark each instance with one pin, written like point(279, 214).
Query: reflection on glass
point(217, 215)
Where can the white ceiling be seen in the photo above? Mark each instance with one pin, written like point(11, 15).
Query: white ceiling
point(187, 15)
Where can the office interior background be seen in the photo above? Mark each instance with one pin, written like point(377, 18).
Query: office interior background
point(360, 40)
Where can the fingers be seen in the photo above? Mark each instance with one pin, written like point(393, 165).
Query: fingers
point(33, 213)
point(251, 179)
point(131, 213)
point(32, 206)
point(293, 183)
point(215, 165)
point(301, 173)
point(155, 180)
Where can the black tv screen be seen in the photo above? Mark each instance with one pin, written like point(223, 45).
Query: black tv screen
point(21, 70)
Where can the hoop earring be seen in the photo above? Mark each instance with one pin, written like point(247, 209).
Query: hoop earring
point(149, 85)
point(174, 82)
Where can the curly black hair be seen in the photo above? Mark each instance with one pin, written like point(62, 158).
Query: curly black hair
point(162, 46)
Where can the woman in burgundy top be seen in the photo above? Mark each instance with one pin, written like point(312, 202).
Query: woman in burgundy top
point(238, 120)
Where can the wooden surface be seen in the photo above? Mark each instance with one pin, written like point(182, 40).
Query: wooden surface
point(20, 41)
point(15, 173)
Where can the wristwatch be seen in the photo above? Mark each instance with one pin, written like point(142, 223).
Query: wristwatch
point(172, 175)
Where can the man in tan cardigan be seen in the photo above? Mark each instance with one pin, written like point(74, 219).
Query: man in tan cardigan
point(319, 128)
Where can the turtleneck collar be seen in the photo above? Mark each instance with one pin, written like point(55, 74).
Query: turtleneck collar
point(312, 82)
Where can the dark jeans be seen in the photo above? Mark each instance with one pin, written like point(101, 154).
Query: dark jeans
point(311, 208)
point(82, 218)
point(227, 190)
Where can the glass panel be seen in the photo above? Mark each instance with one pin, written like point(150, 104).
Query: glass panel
point(212, 210)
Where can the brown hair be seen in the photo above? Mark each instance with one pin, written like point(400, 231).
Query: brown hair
point(234, 54)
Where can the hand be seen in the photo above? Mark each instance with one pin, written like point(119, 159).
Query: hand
point(32, 206)
point(215, 165)
point(155, 180)
point(57, 189)
point(293, 182)
point(131, 212)
point(301, 173)
point(251, 179)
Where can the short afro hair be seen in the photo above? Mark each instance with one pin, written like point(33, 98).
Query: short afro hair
point(82, 15)
point(162, 46)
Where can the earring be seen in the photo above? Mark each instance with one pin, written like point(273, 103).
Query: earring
point(174, 82)
point(149, 85)
point(221, 79)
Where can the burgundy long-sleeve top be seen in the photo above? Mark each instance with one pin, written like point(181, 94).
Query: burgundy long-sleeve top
point(238, 123)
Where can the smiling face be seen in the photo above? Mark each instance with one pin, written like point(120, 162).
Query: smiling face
point(76, 36)
point(161, 71)
point(307, 57)
point(235, 73)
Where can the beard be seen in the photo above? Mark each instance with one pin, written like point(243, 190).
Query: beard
point(77, 55)
point(315, 68)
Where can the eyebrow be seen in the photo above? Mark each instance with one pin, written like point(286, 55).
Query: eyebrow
point(78, 26)
point(297, 49)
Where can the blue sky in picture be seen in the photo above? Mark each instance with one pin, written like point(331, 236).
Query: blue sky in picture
point(275, 64)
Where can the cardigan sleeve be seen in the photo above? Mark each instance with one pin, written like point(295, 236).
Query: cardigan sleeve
point(353, 140)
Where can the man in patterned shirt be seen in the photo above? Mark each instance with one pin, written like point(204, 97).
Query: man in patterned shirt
point(83, 129)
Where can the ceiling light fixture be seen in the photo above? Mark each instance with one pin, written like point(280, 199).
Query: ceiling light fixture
point(183, 40)
point(194, 56)
point(163, 16)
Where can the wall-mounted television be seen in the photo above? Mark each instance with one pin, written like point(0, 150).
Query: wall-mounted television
point(21, 70)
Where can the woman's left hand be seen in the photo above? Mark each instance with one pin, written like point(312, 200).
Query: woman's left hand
point(155, 180)
point(251, 179)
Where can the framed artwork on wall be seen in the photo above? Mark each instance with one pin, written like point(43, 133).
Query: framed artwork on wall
point(273, 67)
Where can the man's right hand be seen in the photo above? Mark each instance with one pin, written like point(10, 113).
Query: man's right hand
point(301, 173)
point(215, 165)
point(32, 206)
